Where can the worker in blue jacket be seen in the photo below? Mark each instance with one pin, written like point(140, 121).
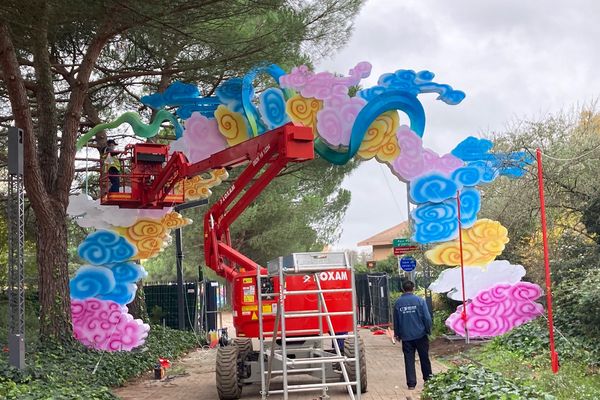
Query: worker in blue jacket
point(412, 324)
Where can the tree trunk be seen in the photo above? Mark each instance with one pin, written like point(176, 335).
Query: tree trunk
point(137, 307)
point(55, 313)
point(48, 192)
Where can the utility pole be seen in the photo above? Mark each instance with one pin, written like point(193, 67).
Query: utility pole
point(179, 259)
point(16, 239)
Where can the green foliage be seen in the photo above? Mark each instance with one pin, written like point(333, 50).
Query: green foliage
point(31, 319)
point(532, 341)
point(470, 382)
point(574, 380)
point(157, 314)
point(572, 143)
point(577, 304)
point(28, 252)
point(439, 327)
point(588, 304)
point(394, 296)
point(441, 302)
point(575, 255)
point(91, 60)
point(528, 341)
point(67, 371)
point(389, 266)
point(591, 216)
point(361, 269)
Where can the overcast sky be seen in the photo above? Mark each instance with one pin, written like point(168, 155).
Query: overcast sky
point(515, 59)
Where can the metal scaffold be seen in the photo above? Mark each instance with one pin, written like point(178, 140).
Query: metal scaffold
point(286, 352)
point(16, 240)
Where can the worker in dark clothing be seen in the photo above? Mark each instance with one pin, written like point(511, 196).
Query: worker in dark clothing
point(111, 164)
point(412, 324)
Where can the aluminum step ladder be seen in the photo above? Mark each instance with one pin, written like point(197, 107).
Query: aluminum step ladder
point(313, 265)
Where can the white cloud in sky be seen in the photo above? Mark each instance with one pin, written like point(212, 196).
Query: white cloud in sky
point(514, 59)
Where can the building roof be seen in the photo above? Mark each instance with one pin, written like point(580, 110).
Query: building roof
point(386, 237)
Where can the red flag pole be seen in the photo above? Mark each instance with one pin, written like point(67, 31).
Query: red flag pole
point(553, 354)
point(462, 268)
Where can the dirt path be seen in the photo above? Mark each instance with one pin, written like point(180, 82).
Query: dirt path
point(193, 377)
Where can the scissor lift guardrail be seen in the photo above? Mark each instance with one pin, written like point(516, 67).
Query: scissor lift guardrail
point(306, 264)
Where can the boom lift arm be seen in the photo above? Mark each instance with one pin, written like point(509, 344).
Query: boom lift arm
point(272, 150)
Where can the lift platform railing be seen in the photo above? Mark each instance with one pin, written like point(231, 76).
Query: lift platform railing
point(313, 265)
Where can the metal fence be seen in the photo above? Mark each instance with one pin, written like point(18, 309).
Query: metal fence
point(373, 299)
point(203, 304)
point(374, 294)
point(161, 303)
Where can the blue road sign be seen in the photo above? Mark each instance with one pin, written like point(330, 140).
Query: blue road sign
point(408, 264)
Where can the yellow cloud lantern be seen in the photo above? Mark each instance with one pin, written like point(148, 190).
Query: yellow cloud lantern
point(380, 141)
point(482, 243)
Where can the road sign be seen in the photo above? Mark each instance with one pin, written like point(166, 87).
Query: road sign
point(404, 246)
point(402, 242)
point(408, 264)
point(398, 251)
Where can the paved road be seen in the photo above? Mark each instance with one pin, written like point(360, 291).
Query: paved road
point(195, 378)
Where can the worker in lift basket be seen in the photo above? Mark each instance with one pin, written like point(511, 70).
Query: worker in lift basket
point(111, 164)
point(412, 324)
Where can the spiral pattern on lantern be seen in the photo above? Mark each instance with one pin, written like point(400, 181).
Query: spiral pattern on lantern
point(106, 325)
point(272, 108)
point(105, 247)
point(482, 243)
point(232, 125)
point(497, 310)
point(433, 187)
point(303, 111)
point(380, 140)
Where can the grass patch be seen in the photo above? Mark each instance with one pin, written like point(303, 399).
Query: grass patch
point(513, 363)
point(67, 371)
point(472, 382)
point(575, 379)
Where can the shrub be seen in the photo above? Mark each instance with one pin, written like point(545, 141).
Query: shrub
point(75, 372)
point(469, 382)
point(157, 314)
point(578, 305)
point(532, 340)
point(441, 302)
point(439, 323)
point(574, 380)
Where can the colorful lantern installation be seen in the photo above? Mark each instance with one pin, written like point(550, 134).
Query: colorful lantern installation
point(366, 125)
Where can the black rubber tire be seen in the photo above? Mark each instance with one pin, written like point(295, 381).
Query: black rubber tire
point(244, 346)
point(350, 366)
point(228, 382)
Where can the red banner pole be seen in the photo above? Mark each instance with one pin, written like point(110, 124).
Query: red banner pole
point(553, 354)
point(462, 268)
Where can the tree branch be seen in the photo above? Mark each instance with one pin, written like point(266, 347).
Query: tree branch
point(29, 85)
point(20, 105)
point(88, 107)
point(75, 106)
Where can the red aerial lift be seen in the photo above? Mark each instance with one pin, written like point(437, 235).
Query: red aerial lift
point(150, 183)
